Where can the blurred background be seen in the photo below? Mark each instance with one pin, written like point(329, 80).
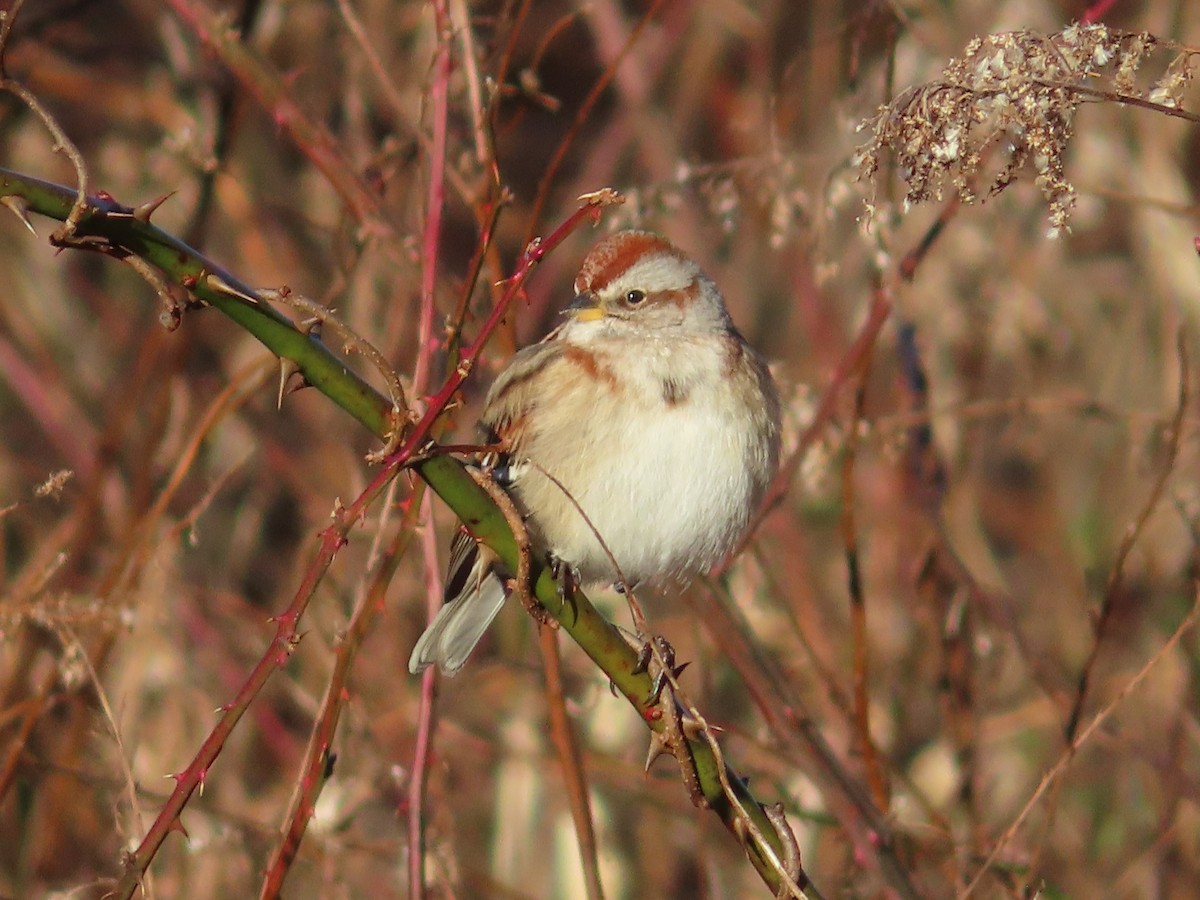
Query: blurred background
point(1036, 488)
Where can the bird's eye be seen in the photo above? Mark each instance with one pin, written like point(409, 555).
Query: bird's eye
point(633, 298)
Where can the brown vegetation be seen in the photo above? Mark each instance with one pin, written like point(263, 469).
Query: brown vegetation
point(957, 648)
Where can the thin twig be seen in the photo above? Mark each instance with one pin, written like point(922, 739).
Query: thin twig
point(522, 583)
point(1116, 575)
point(784, 711)
point(418, 780)
point(1113, 585)
point(278, 652)
point(391, 93)
point(8, 18)
point(1096, 11)
point(62, 144)
point(510, 48)
point(938, 583)
point(123, 572)
point(1124, 99)
point(426, 713)
point(590, 207)
point(488, 216)
point(1068, 755)
point(172, 306)
point(570, 760)
point(318, 762)
point(878, 314)
point(581, 117)
point(436, 200)
point(858, 602)
point(753, 835)
point(881, 309)
point(383, 78)
point(351, 339)
point(72, 642)
point(272, 93)
point(460, 17)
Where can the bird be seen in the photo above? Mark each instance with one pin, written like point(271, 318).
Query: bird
point(649, 409)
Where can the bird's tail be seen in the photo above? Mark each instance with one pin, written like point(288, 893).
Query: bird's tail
point(474, 595)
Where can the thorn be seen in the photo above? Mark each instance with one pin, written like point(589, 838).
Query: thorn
point(146, 210)
point(217, 283)
point(176, 825)
point(658, 747)
point(20, 208)
point(289, 367)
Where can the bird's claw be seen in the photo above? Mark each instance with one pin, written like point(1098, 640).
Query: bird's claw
point(658, 650)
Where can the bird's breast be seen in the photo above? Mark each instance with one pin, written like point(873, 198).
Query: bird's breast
point(660, 461)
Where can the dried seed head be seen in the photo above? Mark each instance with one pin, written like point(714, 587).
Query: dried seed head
point(1013, 95)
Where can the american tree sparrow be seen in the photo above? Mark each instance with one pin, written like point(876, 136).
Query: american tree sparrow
point(649, 409)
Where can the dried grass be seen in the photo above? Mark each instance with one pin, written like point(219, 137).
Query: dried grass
point(135, 595)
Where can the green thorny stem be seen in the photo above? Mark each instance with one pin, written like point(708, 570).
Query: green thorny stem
point(124, 232)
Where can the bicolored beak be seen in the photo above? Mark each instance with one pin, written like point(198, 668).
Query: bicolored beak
point(585, 307)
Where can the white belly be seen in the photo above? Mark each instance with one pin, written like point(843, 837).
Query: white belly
point(668, 487)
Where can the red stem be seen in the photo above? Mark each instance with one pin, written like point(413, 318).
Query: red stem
point(1096, 11)
point(333, 538)
point(271, 92)
point(581, 116)
point(536, 249)
point(438, 95)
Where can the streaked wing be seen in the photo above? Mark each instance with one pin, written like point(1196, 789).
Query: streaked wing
point(464, 552)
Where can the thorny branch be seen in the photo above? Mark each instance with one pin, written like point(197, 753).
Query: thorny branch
point(353, 342)
point(319, 754)
point(690, 724)
point(113, 226)
point(679, 724)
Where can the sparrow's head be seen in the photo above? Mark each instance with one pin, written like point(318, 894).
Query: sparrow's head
point(635, 280)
